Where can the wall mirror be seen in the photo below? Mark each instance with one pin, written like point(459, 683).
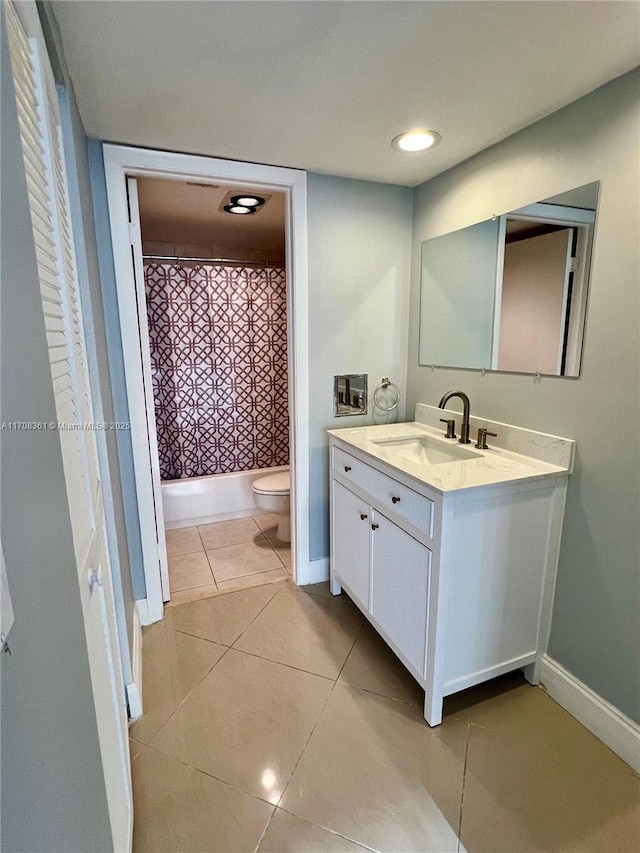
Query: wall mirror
point(350, 394)
point(510, 293)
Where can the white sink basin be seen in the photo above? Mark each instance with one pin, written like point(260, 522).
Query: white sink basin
point(424, 450)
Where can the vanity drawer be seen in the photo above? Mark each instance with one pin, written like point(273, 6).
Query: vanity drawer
point(390, 496)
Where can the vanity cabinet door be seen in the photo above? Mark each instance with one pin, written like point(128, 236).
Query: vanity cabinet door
point(400, 579)
point(350, 533)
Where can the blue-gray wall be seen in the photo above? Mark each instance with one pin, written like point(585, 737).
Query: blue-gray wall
point(53, 794)
point(596, 618)
point(359, 241)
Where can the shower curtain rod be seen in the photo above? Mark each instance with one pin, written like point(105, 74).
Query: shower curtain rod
point(213, 261)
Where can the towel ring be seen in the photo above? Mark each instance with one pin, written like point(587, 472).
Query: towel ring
point(386, 383)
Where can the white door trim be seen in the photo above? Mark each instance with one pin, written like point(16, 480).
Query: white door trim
point(135, 238)
point(121, 162)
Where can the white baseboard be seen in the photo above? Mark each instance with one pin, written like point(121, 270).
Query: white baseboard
point(134, 690)
point(614, 728)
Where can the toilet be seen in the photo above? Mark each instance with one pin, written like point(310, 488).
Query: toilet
point(272, 494)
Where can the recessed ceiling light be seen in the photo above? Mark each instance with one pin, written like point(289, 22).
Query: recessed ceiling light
point(247, 200)
point(239, 208)
point(416, 140)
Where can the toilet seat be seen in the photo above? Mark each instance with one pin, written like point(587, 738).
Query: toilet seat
point(273, 484)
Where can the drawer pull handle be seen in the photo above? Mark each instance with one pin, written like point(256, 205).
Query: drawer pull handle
point(395, 499)
point(347, 467)
point(375, 526)
point(362, 516)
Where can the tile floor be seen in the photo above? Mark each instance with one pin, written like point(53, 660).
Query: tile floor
point(277, 721)
point(226, 555)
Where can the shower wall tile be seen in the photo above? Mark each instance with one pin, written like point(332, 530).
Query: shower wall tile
point(218, 338)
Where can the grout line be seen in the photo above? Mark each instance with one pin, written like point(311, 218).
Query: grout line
point(217, 593)
point(180, 704)
point(464, 780)
point(382, 695)
point(209, 775)
point(264, 831)
point(280, 663)
point(328, 829)
point(185, 554)
point(190, 588)
point(248, 575)
point(201, 539)
point(313, 728)
point(275, 595)
point(231, 544)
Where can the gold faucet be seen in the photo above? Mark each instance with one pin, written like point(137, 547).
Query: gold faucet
point(466, 407)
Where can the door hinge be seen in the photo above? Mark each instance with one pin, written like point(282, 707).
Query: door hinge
point(573, 266)
point(94, 578)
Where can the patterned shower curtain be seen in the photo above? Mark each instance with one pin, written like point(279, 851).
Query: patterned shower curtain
point(218, 337)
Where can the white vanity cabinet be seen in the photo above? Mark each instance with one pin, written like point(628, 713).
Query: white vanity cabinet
point(459, 583)
point(386, 571)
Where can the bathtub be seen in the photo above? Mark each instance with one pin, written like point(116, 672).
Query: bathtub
point(216, 497)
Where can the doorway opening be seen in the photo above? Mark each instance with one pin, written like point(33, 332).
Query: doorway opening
point(125, 169)
point(216, 312)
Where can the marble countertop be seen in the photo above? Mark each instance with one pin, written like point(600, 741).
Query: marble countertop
point(546, 455)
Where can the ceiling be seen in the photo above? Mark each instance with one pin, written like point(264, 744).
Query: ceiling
point(180, 212)
point(325, 86)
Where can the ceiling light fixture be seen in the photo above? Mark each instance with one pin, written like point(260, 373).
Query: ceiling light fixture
point(240, 209)
point(416, 140)
point(247, 200)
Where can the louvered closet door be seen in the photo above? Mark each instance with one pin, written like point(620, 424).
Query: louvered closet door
point(41, 137)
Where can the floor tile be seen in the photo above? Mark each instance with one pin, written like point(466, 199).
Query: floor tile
point(282, 549)
point(246, 723)
point(306, 631)
point(271, 532)
point(267, 521)
point(289, 834)
point(235, 561)
point(183, 540)
point(223, 533)
point(375, 772)
point(189, 570)
point(180, 810)
point(183, 596)
point(547, 781)
point(173, 664)
point(255, 580)
point(221, 619)
point(134, 749)
point(373, 666)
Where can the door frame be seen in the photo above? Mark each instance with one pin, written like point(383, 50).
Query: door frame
point(121, 162)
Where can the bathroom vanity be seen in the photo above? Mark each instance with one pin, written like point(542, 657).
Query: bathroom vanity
point(450, 551)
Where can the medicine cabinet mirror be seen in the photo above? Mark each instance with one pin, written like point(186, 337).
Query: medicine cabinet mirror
point(510, 293)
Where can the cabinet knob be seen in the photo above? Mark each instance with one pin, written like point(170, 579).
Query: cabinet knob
point(375, 526)
point(362, 516)
point(395, 499)
point(347, 467)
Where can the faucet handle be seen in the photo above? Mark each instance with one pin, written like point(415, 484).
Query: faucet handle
point(482, 438)
point(451, 427)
